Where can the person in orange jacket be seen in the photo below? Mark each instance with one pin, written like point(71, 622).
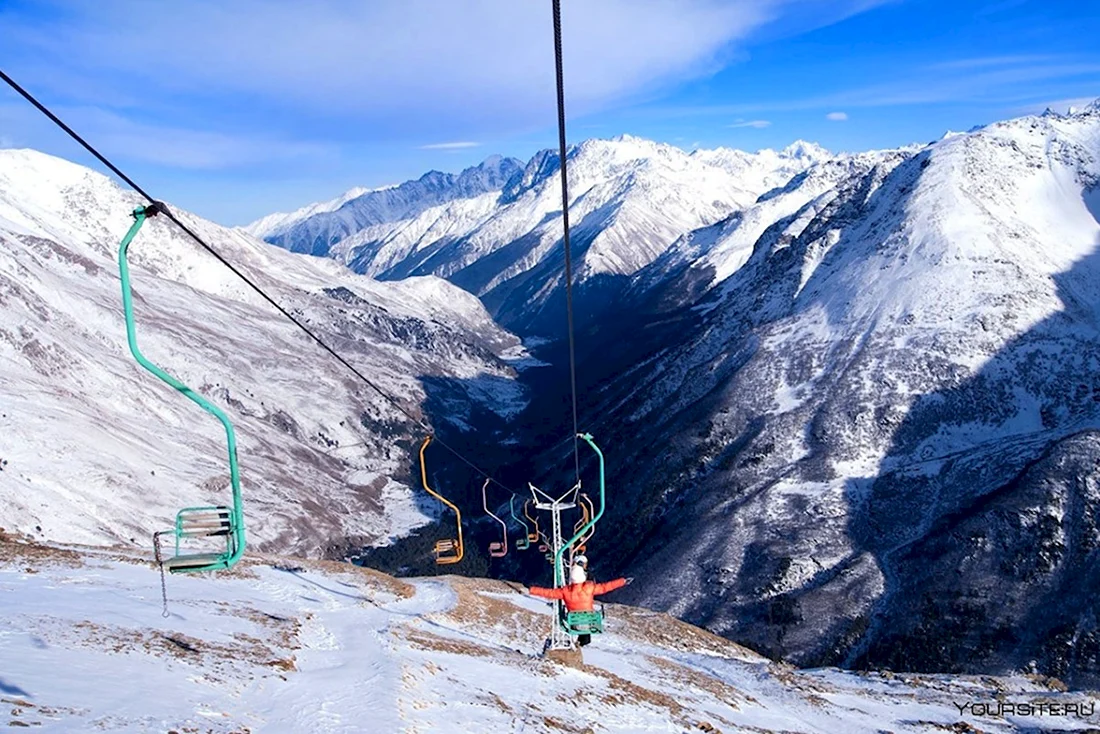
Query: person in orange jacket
point(580, 595)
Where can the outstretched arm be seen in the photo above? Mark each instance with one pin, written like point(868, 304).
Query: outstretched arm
point(609, 586)
point(547, 593)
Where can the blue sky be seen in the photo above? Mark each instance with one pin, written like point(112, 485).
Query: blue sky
point(238, 108)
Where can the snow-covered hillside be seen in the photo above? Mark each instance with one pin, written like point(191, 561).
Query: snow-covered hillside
point(96, 449)
point(631, 198)
point(879, 432)
point(705, 257)
point(281, 645)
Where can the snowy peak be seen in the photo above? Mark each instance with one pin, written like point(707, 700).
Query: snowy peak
point(274, 223)
point(317, 232)
point(490, 175)
point(630, 199)
point(802, 150)
point(542, 166)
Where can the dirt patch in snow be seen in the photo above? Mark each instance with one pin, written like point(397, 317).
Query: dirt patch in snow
point(676, 674)
point(475, 608)
point(18, 549)
point(436, 643)
point(28, 714)
point(234, 662)
point(622, 692)
point(670, 633)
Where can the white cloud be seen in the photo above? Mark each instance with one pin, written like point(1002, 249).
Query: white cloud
point(168, 145)
point(449, 146)
point(987, 62)
point(837, 116)
point(418, 65)
point(976, 83)
point(758, 124)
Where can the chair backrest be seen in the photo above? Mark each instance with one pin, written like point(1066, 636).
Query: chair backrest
point(583, 623)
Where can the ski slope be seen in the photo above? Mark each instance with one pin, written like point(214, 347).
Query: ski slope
point(288, 645)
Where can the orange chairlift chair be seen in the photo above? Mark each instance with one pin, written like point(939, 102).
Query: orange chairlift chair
point(448, 550)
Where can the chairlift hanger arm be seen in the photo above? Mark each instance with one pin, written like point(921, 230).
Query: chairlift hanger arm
point(193, 521)
point(533, 537)
point(449, 544)
point(592, 522)
point(496, 550)
point(524, 542)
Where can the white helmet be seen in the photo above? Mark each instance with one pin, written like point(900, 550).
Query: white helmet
point(581, 560)
point(577, 574)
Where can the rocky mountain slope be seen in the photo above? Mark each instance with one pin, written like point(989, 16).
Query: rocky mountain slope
point(875, 442)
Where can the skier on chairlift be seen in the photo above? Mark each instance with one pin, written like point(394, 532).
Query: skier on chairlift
point(580, 594)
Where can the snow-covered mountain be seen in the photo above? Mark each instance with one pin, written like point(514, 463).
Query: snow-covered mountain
point(631, 198)
point(275, 224)
point(282, 645)
point(705, 257)
point(868, 378)
point(856, 420)
point(318, 228)
point(879, 427)
point(94, 448)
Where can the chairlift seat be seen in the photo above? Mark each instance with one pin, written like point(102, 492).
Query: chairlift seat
point(205, 522)
point(584, 623)
point(197, 562)
point(447, 551)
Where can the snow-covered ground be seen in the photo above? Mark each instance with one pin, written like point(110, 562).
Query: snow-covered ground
point(288, 645)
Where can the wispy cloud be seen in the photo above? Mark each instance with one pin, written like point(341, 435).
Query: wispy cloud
point(450, 146)
point(415, 66)
point(165, 145)
point(984, 62)
point(837, 116)
point(973, 82)
point(758, 124)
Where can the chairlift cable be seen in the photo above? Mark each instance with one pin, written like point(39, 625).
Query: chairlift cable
point(565, 232)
